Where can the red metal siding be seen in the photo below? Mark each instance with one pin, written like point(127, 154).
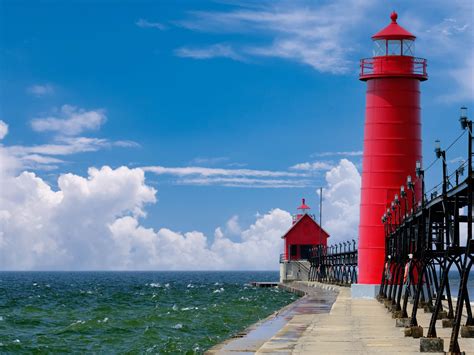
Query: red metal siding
point(305, 232)
point(392, 145)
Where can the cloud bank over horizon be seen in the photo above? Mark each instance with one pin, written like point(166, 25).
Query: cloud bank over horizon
point(96, 223)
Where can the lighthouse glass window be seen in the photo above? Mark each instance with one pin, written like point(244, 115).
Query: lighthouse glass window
point(408, 47)
point(394, 47)
point(380, 47)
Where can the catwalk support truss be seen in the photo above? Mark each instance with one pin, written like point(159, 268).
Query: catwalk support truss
point(430, 250)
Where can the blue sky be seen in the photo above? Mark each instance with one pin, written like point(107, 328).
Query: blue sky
point(260, 87)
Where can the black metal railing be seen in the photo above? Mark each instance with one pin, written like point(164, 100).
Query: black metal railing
point(336, 264)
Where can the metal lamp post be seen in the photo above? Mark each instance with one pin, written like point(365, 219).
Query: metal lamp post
point(411, 187)
point(454, 345)
point(403, 195)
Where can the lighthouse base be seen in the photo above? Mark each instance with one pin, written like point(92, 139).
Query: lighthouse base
point(364, 290)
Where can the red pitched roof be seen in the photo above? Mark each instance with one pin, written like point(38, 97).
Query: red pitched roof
point(298, 221)
point(393, 31)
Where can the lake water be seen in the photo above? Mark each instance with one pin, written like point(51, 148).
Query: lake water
point(156, 312)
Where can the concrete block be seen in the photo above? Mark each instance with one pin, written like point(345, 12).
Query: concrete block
point(467, 331)
point(392, 307)
point(364, 291)
point(431, 345)
point(442, 315)
point(447, 323)
point(415, 332)
point(402, 322)
point(397, 314)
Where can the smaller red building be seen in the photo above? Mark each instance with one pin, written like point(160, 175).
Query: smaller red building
point(303, 235)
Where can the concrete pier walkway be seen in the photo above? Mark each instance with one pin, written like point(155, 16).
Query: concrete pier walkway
point(352, 326)
point(315, 301)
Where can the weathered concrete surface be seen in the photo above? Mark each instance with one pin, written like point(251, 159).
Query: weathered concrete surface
point(354, 326)
point(315, 301)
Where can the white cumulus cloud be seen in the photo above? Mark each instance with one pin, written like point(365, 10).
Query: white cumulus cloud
point(341, 198)
point(67, 228)
point(95, 222)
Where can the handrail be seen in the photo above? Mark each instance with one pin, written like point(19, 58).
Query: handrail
point(282, 258)
point(393, 65)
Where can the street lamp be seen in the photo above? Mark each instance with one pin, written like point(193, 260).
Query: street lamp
point(420, 174)
point(459, 172)
point(389, 218)
point(438, 150)
point(463, 118)
point(442, 154)
point(411, 187)
point(397, 205)
point(467, 123)
point(419, 171)
point(403, 195)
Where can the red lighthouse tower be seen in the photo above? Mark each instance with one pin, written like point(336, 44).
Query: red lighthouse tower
point(392, 136)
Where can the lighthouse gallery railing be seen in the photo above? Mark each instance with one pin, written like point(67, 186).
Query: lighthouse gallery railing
point(392, 65)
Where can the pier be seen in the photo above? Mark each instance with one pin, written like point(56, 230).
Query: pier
point(315, 325)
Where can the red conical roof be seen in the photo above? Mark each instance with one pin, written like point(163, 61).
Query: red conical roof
point(304, 206)
point(393, 31)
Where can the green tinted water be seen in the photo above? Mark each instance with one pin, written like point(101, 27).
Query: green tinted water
point(156, 312)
